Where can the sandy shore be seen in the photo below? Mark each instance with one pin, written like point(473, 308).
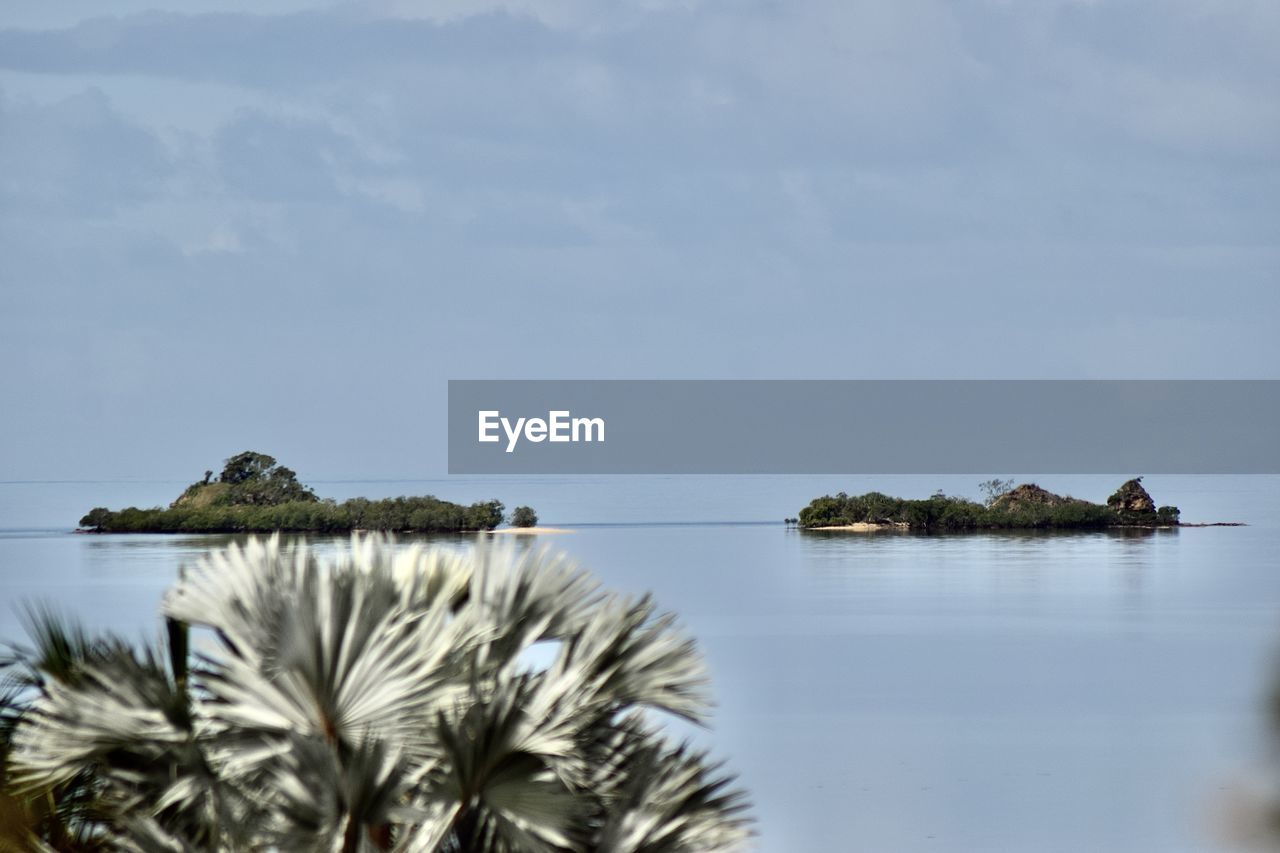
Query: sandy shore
point(531, 531)
point(864, 526)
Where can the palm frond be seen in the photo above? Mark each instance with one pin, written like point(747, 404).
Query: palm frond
point(60, 649)
point(498, 768)
point(379, 699)
point(117, 744)
point(523, 600)
point(629, 656)
point(346, 660)
point(675, 802)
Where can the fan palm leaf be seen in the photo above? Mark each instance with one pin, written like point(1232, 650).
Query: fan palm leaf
point(386, 698)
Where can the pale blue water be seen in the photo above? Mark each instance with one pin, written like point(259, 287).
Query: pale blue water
point(1074, 692)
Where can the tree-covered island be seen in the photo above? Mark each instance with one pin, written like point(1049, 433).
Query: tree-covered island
point(255, 494)
point(1007, 508)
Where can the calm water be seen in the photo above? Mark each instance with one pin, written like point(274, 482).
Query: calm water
point(1009, 692)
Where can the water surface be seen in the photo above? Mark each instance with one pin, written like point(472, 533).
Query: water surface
point(999, 692)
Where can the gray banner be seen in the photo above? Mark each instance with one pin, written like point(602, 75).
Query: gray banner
point(863, 427)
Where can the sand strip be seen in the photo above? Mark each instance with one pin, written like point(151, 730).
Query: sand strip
point(864, 526)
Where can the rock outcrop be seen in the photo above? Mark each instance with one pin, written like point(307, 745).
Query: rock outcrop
point(1133, 505)
point(1132, 499)
point(1030, 493)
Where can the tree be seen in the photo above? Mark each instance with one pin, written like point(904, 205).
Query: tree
point(381, 701)
point(246, 466)
point(993, 489)
point(484, 515)
point(256, 478)
point(523, 516)
point(96, 517)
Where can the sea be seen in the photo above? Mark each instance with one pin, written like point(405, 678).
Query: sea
point(1084, 691)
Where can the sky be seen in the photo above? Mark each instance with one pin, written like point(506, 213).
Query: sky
point(285, 225)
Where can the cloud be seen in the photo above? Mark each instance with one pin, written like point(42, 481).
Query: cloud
point(283, 159)
point(222, 239)
point(502, 121)
point(264, 51)
point(393, 191)
point(821, 78)
point(78, 155)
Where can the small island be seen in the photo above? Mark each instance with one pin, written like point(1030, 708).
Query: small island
point(1007, 507)
point(255, 494)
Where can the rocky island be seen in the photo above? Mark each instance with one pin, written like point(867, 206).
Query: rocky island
point(1023, 507)
point(254, 494)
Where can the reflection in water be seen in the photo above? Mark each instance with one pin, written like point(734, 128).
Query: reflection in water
point(846, 559)
point(109, 552)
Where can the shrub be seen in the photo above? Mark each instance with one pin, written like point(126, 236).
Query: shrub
point(96, 517)
point(396, 515)
point(523, 516)
point(1024, 507)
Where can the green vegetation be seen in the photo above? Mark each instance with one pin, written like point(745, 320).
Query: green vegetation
point(523, 516)
point(1026, 507)
point(396, 515)
point(248, 479)
point(256, 495)
point(382, 700)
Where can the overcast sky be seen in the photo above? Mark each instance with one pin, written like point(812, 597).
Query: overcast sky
point(283, 225)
